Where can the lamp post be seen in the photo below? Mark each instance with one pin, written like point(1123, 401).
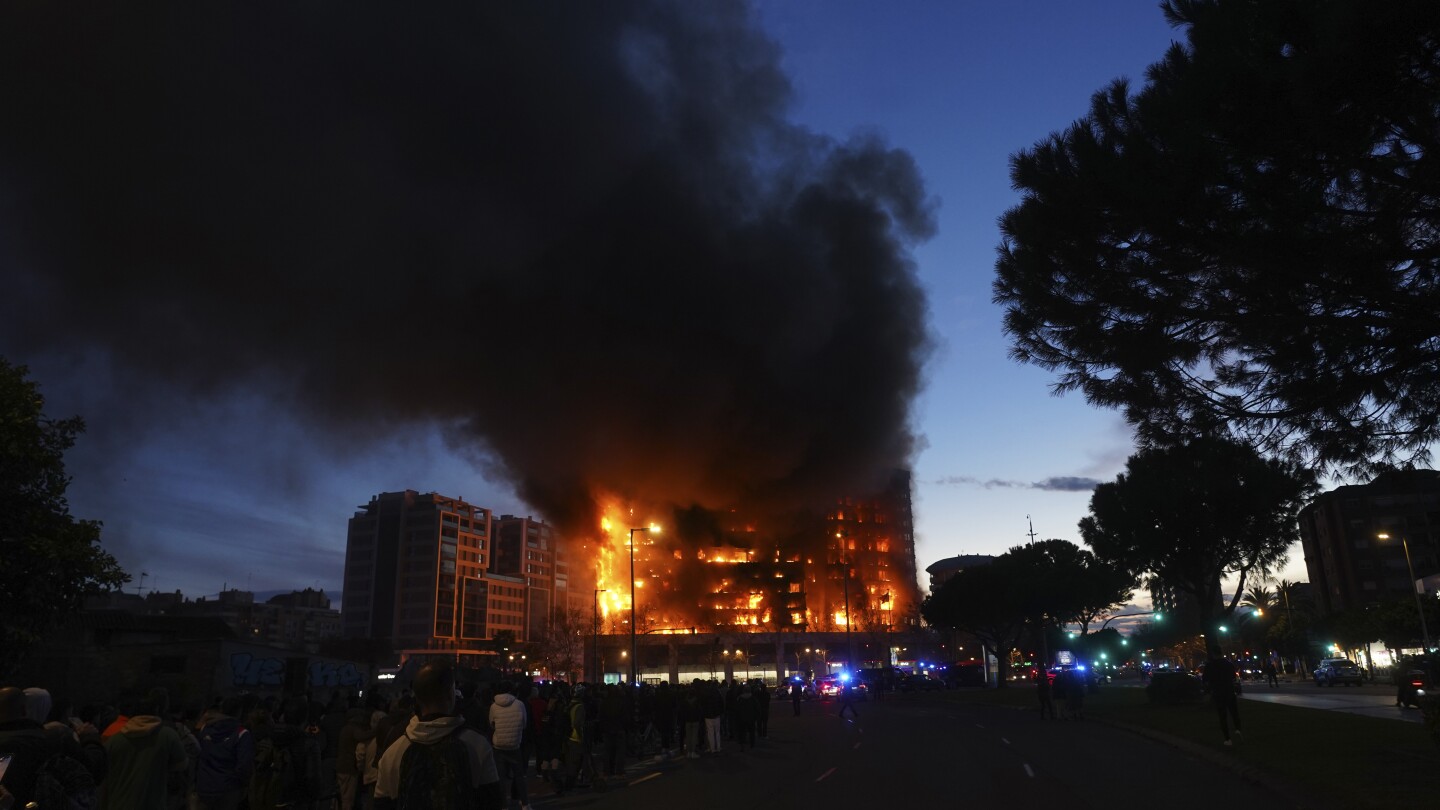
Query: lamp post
point(595, 633)
point(633, 662)
point(845, 584)
point(1419, 607)
point(885, 605)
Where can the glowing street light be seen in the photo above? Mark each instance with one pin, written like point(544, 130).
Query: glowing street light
point(1419, 608)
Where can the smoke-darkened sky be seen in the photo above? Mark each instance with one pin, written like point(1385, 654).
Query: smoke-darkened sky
point(283, 257)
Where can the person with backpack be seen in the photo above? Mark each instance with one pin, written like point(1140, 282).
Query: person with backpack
point(141, 757)
point(508, 721)
point(287, 763)
point(439, 763)
point(577, 743)
point(227, 758)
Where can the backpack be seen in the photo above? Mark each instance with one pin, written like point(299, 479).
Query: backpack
point(436, 775)
point(279, 779)
point(559, 722)
point(64, 784)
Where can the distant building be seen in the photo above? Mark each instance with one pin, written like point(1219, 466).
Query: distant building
point(430, 572)
point(1349, 565)
point(413, 570)
point(941, 572)
point(102, 656)
point(297, 621)
point(1179, 608)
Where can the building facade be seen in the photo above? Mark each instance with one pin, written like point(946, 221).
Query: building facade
point(527, 549)
point(1349, 564)
point(414, 572)
point(942, 571)
point(430, 572)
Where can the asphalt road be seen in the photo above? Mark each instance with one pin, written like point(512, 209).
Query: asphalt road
point(925, 749)
point(1370, 699)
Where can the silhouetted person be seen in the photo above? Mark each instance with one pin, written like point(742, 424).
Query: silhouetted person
point(1220, 679)
point(1042, 691)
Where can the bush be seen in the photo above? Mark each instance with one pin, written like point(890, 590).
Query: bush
point(1172, 688)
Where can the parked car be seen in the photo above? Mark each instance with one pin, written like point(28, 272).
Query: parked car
point(964, 674)
point(920, 683)
point(1338, 670)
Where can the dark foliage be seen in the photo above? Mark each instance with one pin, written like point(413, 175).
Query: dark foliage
point(49, 561)
point(1196, 513)
point(1249, 243)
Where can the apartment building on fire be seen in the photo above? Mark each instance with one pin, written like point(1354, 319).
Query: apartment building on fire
point(430, 572)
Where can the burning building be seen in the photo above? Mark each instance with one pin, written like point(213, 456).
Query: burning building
point(428, 572)
point(849, 566)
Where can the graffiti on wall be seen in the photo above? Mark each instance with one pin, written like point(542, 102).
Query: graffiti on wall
point(248, 670)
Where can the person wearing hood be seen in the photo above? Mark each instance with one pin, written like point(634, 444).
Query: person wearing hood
point(436, 723)
point(507, 734)
point(141, 756)
point(227, 758)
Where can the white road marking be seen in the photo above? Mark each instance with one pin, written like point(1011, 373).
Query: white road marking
point(825, 774)
point(1029, 772)
point(856, 745)
point(645, 778)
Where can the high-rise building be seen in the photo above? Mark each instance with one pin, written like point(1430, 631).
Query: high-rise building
point(525, 548)
point(415, 573)
point(1349, 564)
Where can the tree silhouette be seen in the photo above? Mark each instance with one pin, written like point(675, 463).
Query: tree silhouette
point(1194, 514)
point(1248, 244)
point(49, 561)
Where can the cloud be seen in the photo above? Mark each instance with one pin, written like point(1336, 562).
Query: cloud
point(1054, 484)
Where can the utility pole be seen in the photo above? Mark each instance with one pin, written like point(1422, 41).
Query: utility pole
point(595, 634)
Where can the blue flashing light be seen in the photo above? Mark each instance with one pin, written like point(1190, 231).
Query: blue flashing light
point(1080, 667)
point(845, 677)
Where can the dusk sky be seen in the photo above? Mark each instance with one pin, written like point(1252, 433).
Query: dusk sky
point(232, 431)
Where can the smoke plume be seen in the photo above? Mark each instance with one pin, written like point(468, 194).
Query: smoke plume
point(582, 236)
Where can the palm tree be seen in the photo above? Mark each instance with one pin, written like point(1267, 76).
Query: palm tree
point(1261, 599)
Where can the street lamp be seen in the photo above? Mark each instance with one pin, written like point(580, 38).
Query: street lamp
point(845, 573)
point(651, 528)
point(1419, 608)
point(595, 633)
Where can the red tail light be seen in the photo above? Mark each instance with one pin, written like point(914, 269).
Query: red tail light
point(1417, 682)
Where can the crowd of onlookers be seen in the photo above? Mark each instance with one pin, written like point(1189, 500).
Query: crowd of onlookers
point(261, 752)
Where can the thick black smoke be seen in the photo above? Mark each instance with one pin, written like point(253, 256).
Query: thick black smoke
point(582, 234)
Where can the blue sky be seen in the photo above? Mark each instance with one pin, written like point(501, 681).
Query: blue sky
point(235, 494)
